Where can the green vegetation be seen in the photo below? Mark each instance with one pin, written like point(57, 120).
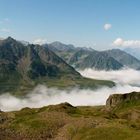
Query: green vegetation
point(67, 82)
point(65, 122)
point(24, 67)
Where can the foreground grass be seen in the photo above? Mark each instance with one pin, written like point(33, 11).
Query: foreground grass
point(65, 122)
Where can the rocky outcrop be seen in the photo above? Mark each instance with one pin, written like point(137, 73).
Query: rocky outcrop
point(118, 99)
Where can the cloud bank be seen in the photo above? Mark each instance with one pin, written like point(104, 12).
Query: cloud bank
point(126, 43)
point(42, 96)
point(127, 80)
point(123, 77)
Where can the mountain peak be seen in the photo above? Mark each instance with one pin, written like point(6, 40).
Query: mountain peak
point(57, 43)
point(61, 46)
point(10, 38)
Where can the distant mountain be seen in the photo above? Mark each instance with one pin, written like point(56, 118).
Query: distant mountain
point(61, 47)
point(133, 51)
point(25, 43)
point(20, 63)
point(1, 39)
point(24, 66)
point(78, 56)
point(62, 50)
point(100, 61)
point(65, 51)
point(82, 58)
point(124, 58)
point(107, 60)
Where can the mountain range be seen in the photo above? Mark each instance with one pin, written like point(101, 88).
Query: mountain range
point(82, 58)
point(24, 66)
point(135, 51)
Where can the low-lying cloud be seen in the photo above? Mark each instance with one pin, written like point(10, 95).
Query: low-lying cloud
point(42, 96)
point(123, 77)
point(127, 80)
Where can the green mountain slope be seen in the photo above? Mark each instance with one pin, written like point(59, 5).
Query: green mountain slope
point(24, 66)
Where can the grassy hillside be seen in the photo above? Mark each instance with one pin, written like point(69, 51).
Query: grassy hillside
point(66, 122)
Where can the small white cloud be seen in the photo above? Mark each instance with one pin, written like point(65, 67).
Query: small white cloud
point(5, 30)
point(39, 41)
point(107, 26)
point(126, 43)
point(118, 42)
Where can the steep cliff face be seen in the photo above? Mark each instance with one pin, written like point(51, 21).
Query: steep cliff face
point(116, 100)
point(125, 106)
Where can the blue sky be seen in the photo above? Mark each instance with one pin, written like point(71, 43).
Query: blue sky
point(78, 22)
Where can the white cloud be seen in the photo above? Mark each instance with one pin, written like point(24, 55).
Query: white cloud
point(39, 41)
point(5, 30)
point(41, 96)
point(107, 26)
point(126, 43)
point(118, 42)
point(123, 76)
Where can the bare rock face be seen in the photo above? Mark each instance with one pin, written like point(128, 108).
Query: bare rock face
point(117, 99)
